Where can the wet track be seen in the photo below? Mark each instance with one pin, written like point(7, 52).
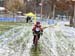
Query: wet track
point(56, 41)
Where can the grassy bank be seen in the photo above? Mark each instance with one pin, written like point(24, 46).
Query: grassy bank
point(5, 26)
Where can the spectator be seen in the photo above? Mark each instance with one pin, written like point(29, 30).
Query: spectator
point(28, 19)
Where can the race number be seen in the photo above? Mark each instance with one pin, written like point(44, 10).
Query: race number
point(37, 29)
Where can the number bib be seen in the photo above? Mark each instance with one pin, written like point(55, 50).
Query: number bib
point(37, 29)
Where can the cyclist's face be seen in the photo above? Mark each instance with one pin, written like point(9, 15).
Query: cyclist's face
point(38, 25)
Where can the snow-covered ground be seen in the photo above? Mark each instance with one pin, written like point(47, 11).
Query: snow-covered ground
point(57, 40)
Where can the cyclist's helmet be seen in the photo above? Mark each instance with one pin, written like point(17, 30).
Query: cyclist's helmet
point(37, 24)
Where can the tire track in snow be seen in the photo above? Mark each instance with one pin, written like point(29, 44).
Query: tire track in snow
point(13, 36)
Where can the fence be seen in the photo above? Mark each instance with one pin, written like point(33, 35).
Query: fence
point(10, 18)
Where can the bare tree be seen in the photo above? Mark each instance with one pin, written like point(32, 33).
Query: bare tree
point(14, 5)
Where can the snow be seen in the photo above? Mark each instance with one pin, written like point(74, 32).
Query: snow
point(57, 40)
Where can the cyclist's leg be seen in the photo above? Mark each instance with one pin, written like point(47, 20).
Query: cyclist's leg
point(38, 36)
point(34, 39)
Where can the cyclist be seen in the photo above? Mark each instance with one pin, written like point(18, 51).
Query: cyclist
point(37, 29)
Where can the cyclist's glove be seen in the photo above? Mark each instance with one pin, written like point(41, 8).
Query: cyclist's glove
point(33, 33)
point(41, 33)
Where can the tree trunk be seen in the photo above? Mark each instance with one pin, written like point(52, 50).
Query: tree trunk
point(54, 11)
point(71, 22)
point(72, 16)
